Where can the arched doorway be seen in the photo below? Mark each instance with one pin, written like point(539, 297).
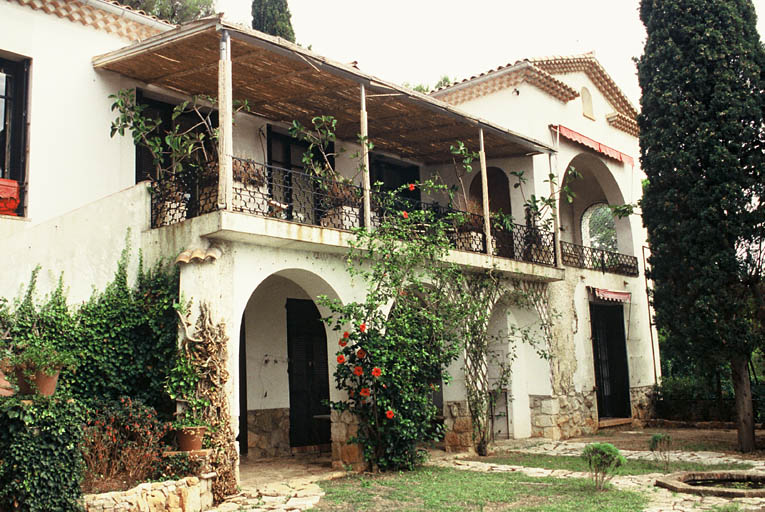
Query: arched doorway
point(499, 192)
point(284, 368)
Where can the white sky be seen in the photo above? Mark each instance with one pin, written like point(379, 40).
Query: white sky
point(418, 41)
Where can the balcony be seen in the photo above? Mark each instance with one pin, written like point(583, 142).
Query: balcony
point(297, 197)
point(574, 255)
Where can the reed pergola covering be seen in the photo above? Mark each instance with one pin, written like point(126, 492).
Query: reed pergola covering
point(283, 82)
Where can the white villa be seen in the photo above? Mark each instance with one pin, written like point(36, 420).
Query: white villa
point(259, 244)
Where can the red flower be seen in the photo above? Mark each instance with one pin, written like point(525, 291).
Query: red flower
point(350, 393)
point(342, 342)
point(364, 392)
point(358, 371)
point(341, 359)
point(361, 353)
point(376, 372)
point(389, 414)
point(363, 327)
point(405, 215)
point(411, 186)
point(346, 335)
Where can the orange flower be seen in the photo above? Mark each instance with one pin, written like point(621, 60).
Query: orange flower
point(342, 342)
point(361, 353)
point(364, 392)
point(346, 335)
point(363, 327)
point(341, 359)
point(411, 186)
point(405, 215)
point(376, 372)
point(358, 371)
point(389, 414)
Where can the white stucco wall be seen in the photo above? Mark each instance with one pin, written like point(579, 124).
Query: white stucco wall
point(72, 160)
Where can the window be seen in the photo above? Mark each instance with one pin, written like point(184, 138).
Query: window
point(13, 115)
point(598, 228)
point(394, 174)
point(587, 104)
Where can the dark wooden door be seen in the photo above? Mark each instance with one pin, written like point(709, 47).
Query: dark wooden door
point(610, 354)
point(308, 374)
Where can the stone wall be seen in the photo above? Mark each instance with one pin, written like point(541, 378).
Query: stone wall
point(189, 494)
point(268, 433)
point(642, 402)
point(459, 427)
point(344, 454)
point(563, 416)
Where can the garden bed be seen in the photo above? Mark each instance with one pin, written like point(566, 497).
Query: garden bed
point(190, 494)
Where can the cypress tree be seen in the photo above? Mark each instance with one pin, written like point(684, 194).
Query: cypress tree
point(701, 138)
point(273, 17)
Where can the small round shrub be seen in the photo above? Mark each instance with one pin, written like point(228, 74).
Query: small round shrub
point(603, 459)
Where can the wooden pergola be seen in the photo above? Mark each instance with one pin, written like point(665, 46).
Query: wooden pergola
point(283, 82)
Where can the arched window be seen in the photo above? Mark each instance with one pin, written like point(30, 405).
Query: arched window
point(587, 103)
point(499, 192)
point(598, 228)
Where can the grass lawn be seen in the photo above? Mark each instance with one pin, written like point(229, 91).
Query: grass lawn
point(441, 489)
point(633, 467)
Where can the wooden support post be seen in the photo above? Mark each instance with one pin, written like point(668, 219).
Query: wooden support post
point(364, 130)
point(556, 211)
point(485, 194)
point(225, 126)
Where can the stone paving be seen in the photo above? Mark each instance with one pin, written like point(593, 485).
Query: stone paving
point(290, 484)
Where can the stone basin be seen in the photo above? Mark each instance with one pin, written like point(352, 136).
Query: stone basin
point(683, 482)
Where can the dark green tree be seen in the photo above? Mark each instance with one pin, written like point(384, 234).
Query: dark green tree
point(701, 139)
point(174, 11)
point(273, 17)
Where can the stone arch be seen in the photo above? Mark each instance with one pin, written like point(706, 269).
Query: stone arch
point(282, 338)
point(499, 192)
point(596, 185)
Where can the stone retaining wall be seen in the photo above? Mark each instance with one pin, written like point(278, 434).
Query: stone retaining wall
point(563, 416)
point(642, 402)
point(459, 427)
point(191, 494)
point(268, 433)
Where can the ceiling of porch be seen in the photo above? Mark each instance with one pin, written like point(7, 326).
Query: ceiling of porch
point(283, 82)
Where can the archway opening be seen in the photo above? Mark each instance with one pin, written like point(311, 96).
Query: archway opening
point(499, 192)
point(284, 368)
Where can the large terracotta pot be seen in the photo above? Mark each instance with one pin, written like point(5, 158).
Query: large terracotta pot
point(190, 438)
point(39, 382)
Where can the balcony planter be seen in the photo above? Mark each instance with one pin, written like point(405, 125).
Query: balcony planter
point(37, 382)
point(9, 197)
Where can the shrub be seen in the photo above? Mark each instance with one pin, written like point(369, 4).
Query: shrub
point(122, 444)
point(660, 445)
point(175, 467)
point(603, 459)
point(40, 461)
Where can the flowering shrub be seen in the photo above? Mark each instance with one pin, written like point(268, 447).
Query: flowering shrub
point(388, 361)
point(122, 444)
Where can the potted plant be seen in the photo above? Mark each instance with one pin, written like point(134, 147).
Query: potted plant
point(183, 386)
point(37, 365)
point(9, 196)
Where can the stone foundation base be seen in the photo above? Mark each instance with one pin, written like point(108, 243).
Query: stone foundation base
point(563, 416)
point(189, 494)
point(459, 427)
point(642, 402)
point(345, 454)
point(268, 433)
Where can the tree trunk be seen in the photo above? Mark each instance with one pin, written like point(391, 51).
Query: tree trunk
point(739, 365)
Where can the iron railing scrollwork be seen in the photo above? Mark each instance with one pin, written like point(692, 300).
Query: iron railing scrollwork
point(579, 256)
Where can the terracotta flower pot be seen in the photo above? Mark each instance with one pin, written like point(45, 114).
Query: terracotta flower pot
point(39, 382)
point(190, 438)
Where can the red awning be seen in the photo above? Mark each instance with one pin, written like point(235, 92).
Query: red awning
point(593, 144)
point(611, 295)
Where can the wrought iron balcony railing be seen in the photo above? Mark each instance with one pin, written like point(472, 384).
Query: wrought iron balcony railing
point(296, 196)
point(575, 255)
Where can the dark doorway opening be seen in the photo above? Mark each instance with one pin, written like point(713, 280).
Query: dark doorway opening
point(308, 376)
point(609, 351)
